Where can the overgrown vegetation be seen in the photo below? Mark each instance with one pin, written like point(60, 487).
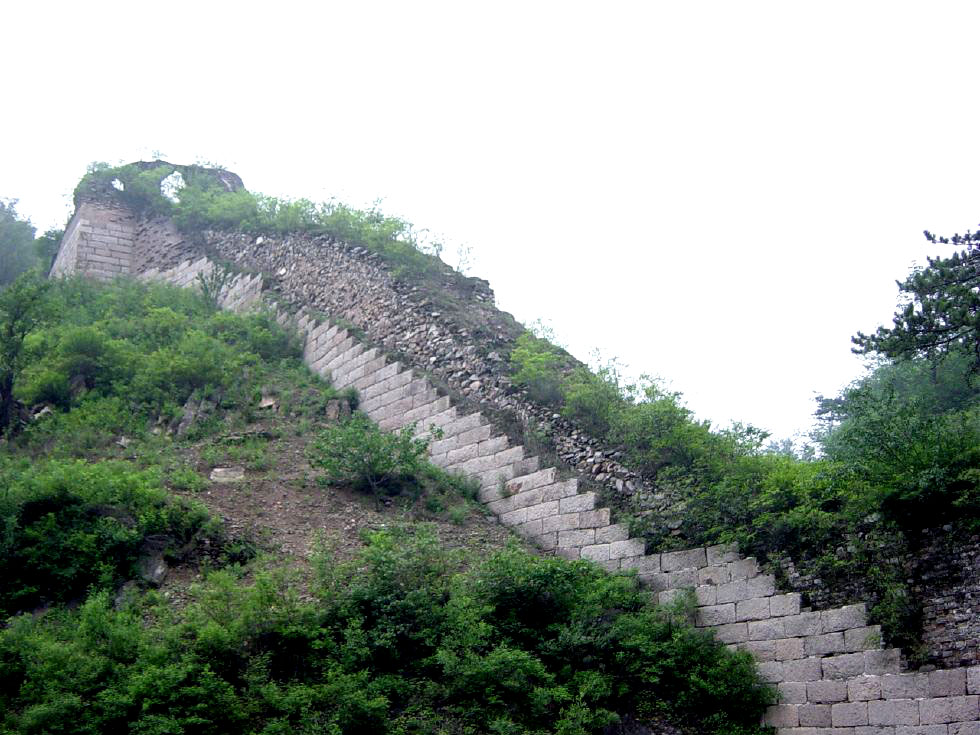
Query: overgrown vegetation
point(20, 250)
point(69, 526)
point(406, 638)
point(899, 449)
point(399, 641)
point(204, 202)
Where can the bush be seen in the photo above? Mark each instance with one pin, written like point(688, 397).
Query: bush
point(71, 525)
point(357, 453)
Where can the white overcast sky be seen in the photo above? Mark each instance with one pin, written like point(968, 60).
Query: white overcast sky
point(719, 193)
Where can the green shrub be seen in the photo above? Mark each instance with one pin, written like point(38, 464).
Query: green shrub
point(359, 454)
point(69, 525)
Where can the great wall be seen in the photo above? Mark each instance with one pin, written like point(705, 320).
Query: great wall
point(413, 361)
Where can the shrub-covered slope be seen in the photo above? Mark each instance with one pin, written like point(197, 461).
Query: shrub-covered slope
point(415, 620)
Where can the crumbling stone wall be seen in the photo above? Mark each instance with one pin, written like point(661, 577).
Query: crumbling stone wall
point(948, 585)
point(98, 242)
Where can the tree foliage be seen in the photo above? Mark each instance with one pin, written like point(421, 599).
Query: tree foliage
point(942, 309)
point(23, 307)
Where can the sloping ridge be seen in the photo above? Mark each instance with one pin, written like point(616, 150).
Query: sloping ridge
point(828, 666)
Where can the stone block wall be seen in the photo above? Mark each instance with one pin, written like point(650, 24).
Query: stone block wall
point(98, 242)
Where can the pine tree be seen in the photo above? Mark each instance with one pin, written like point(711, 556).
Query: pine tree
point(942, 313)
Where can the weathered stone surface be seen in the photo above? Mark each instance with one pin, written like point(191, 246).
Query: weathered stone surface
point(676, 560)
point(949, 683)
point(826, 692)
point(228, 474)
point(849, 714)
point(864, 688)
point(893, 712)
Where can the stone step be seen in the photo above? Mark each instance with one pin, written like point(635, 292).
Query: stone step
point(407, 389)
point(371, 367)
point(341, 376)
point(383, 371)
point(396, 380)
point(339, 342)
point(415, 415)
point(343, 358)
point(489, 463)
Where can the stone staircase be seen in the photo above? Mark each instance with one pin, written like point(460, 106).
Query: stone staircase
point(832, 675)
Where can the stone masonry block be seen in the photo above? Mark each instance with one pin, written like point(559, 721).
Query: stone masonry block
point(886, 661)
point(745, 568)
point(762, 586)
point(515, 517)
point(947, 683)
point(949, 709)
point(681, 579)
point(641, 564)
point(714, 615)
point(804, 669)
point(714, 575)
point(862, 639)
point(815, 715)
point(529, 528)
point(721, 554)
point(803, 624)
point(611, 532)
point(843, 666)
point(789, 649)
point(973, 680)
point(583, 501)
point(734, 591)
point(866, 688)
point(842, 618)
point(542, 510)
point(771, 672)
point(596, 552)
point(904, 686)
point(475, 435)
point(763, 651)
point(752, 609)
point(849, 714)
point(732, 633)
point(578, 538)
point(564, 522)
point(623, 549)
point(921, 730)
point(547, 541)
point(964, 728)
point(893, 712)
point(676, 560)
point(492, 446)
point(783, 605)
point(656, 581)
point(560, 490)
point(823, 645)
point(599, 520)
point(705, 595)
point(528, 482)
point(792, 692)
point(827, 692)
point(782, 715)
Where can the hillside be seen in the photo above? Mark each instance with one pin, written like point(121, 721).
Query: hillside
point(306, 596)
point(577, 464)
